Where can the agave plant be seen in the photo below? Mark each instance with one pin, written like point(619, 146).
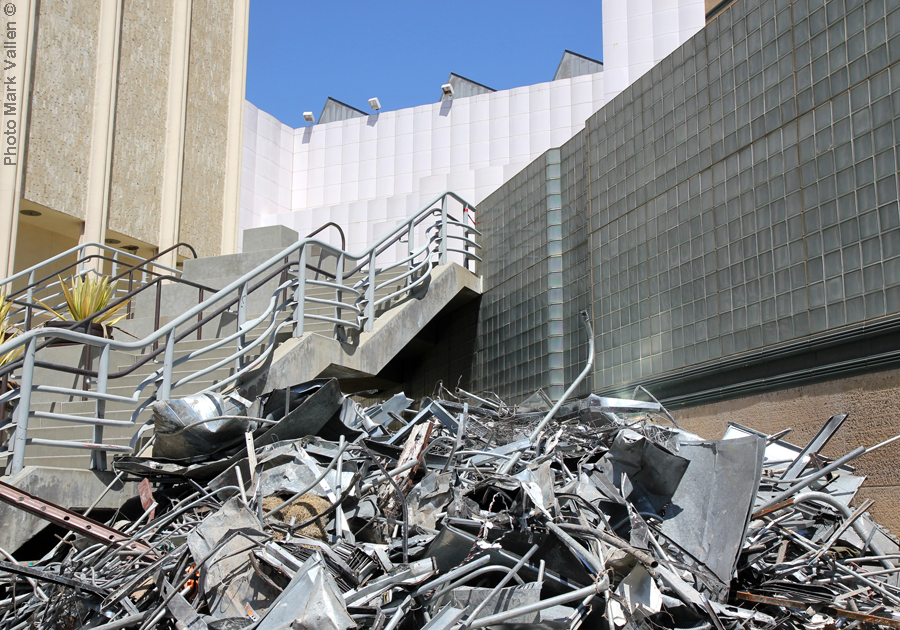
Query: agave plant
point(88, 295)
point(7, 332)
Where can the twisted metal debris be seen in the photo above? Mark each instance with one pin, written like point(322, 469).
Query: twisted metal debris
point(463, 512)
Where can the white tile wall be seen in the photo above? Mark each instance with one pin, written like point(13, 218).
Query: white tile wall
point(368, 173)
point(637, 34)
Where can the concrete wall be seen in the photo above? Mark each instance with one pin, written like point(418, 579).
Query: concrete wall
point(131, 121)
point(62, 105)
point(137, 170)
point(872, 401)
point(203, 183)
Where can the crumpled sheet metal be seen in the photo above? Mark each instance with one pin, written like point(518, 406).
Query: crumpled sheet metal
point(181, 433)
point(709, 512)
point(607, 517)
point(311, 601)
point(221, 547)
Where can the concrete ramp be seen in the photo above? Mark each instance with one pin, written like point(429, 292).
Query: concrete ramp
point(312, 355)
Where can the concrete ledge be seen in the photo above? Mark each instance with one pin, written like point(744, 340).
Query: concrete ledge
point(67, 487)
point(312, 356)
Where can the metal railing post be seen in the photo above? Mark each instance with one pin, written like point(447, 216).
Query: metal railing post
point(98, 458)
point(29, 310)
point(199, 317)
point(338, 293)
point(115, 268)
point(241, 320)
point(300, 294)
point(370, 295)
point(411, 246)
point(23, 409)
point(442, 259)
point(165, 389)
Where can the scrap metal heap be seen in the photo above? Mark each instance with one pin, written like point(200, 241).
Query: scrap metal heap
point(307, 511)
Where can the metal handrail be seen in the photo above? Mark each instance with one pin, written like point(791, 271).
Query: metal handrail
point(84, 246)
point(143, 264)
point(235, 293)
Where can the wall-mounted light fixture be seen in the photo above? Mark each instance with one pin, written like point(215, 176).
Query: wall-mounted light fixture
point(375, 104)
point(447, 89)
point(308, 117)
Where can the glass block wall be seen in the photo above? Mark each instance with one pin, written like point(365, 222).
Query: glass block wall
point(730, 220)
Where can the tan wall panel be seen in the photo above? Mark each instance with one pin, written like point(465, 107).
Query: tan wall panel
point(35, 245)
point(873, 402)
point(138, 150)
point(203, 183)
point(62, 104)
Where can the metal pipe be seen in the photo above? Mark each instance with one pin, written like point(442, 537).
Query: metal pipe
point(641, 556)
point(507, 467)
point(503, 582)
point(471, 576)
point(854, 454)
point(846, 513)
point(596, 565)
point(477, 563)
point(594, 589)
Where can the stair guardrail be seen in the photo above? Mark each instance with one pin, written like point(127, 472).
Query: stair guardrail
point(447, 238)
point(47, 283)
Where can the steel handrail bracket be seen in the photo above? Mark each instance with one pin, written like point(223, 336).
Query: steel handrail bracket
point(418, 263)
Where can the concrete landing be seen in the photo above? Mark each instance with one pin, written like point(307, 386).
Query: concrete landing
point(313, 356)
point(71, 488)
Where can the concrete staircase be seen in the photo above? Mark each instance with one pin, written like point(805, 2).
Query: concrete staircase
point(175, 299)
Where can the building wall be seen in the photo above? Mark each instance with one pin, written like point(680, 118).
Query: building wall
point(732, 216)
point(368, 173)
point(106, 136)
point(203, 179)
point(62, 104)
point(731, 224)
point(137, 170)
point(638, 34)
point(871, 400)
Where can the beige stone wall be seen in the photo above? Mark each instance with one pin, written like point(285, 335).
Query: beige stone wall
point(203, 181)
point(137, 169)
point(873, 402)
point(62, 105)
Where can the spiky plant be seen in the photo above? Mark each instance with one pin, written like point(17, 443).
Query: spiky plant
point(7, 332)
point(88, 295)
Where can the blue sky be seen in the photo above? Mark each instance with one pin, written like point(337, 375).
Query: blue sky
point(401, 51)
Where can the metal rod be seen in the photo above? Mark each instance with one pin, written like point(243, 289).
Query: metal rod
point(594, 589)
point(503, 582)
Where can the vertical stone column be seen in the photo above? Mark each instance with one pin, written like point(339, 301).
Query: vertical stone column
point(170, 212)
point(16, 73)
point(237, 89)
point(96, 210)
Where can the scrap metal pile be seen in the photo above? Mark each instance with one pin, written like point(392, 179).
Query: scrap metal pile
point(307, 511)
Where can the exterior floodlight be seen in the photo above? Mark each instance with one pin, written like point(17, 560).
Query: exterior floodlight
point(308, 117)
point(447, 89)
point(375, 104)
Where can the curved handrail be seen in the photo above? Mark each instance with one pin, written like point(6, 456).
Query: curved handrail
point(222, 300)
point(25, 337)
point(72, 250)
point(328, 225)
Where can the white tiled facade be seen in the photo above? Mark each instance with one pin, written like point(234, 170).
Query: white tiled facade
point(368, 173)
point(638, 34)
